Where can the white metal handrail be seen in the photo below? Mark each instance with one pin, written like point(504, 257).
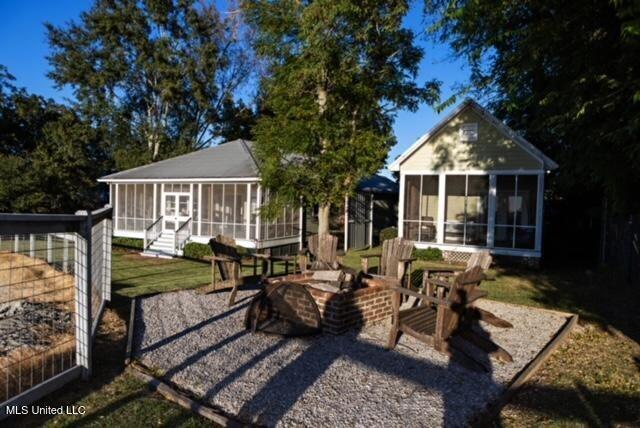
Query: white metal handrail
point(152, 232)
point(182, 234)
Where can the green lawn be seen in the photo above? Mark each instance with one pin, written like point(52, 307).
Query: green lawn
point(593, 379)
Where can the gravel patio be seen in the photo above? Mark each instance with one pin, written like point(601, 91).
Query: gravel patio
point(201, 346)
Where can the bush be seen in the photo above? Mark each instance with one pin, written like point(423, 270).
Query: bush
point(194, 250)
point(134, 243)
point(430, 254)
point(388, 233)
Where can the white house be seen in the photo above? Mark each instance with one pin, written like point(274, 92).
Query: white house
point(472, 183)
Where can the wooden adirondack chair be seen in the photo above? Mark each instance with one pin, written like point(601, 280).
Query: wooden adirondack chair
point(394, 261)
point(444, 322)
point(229, 263)
point(321, 253)
point(436, 288)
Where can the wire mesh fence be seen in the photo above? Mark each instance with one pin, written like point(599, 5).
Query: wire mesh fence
point(49, 311)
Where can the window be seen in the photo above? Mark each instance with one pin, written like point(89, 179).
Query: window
point(421, 207)
point(285, 225)
point(516, 207)
point(134, 206)
point(466, 209)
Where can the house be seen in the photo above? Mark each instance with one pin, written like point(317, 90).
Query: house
point(194, 197)
point(472, 183)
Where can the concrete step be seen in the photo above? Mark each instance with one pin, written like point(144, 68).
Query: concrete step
point(157, 254)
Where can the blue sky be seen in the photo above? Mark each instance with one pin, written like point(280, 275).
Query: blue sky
point(23, 49)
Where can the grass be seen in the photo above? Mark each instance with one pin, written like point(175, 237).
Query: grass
point(593, 379)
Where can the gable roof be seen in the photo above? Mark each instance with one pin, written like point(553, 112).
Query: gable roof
point(229, 160)
point(486, 114)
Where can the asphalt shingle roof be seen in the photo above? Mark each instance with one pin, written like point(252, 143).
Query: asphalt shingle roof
point(229, 160)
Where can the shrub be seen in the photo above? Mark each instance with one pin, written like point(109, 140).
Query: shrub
point(134, 243)
point(194, 250)
point(430, 254)
point(388, 233)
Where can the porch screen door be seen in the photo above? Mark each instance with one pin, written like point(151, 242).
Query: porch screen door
point(176, 210)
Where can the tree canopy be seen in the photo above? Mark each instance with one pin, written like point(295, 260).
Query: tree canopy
point(336, 72)
point(49, 157)
point(566, 75)
point(155, 74)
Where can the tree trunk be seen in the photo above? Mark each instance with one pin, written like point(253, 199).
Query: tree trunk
point(323, 218)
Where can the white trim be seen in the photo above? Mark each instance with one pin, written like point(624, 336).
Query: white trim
point(248, 213)
point(177, 180)
point(474, 249)
point(370, 220)
point(442, 189)
point(491, 211)
point(200, 209)
point(155, 202)
point(539, 212)
point(473, 172)
point(401, 208)
point(258, 215)
point(300, 225)
point(544, 160)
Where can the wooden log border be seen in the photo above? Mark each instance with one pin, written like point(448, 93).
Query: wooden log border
point(130, 328)
point(181, 399)
point(493, 410)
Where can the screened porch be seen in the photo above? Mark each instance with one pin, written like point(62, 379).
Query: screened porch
point(198, 211)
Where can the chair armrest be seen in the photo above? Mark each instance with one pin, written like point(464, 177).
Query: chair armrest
point(438, 283)
point(420, 296)
point(368, 256)
point(409, 260)
point(445, 270)
point(225, 259)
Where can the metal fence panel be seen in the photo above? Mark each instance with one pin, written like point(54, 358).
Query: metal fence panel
point(49, 310)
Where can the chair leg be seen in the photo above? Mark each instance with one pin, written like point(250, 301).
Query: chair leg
point(232, 296)
point(393, 338)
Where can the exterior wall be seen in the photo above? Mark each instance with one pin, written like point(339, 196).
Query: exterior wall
point(492, 151)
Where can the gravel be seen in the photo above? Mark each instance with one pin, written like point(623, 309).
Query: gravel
point(25, 323)
point(325, 380)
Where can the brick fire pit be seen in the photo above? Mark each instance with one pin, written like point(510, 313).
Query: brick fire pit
point(344, 309)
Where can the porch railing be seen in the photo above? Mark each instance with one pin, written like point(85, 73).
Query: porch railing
point(182, 234)
point(152, 232)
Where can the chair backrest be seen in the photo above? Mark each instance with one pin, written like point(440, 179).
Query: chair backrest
point(394, 250)
point(481, 258)
point(463, 286)
point(224, 246)
point(324, 248)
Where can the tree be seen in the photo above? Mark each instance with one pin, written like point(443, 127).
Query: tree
point(337, 70)
point(566, 75)
point(154, 74)
point(49, 158)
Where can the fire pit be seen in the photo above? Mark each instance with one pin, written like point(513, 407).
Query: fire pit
point(342, 303)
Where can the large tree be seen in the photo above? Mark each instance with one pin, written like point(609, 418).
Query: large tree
point(336, 71)
point(154, 73)
point(49, 157)
point(564, 73)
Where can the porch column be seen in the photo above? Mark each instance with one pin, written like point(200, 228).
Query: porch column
point(200, 208)
point(539, 211)
point(259, 204)
point(116, 207)
point(401, 207)
point(248, 213)
point(155, 202)
point(442, 191)
point(491, 223)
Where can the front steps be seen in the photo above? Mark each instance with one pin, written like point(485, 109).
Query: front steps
point(163, 247)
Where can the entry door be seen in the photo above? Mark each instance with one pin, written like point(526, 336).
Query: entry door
point(176, 210)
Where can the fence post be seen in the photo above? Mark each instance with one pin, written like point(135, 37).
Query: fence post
point(83, 296)
point(32, 245)
point(106, 262)
point(49, 248)
point(16, 244)
point(65, 253)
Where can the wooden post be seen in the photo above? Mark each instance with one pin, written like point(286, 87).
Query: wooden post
point(82, 275)
point(16, 244)
point(65, 253)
